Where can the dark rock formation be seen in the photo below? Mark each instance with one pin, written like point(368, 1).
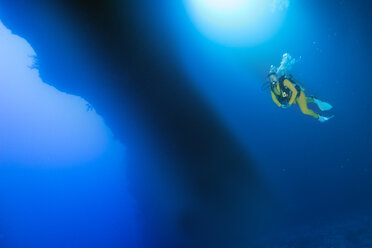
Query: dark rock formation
point(194, 184)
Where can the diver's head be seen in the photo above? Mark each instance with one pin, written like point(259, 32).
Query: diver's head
point(273, 78)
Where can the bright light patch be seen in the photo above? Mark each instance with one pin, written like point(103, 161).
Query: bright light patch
point(224, 6)
point(236, 22)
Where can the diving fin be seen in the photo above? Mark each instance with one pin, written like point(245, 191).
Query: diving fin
point(324, 119)
point(323, 106)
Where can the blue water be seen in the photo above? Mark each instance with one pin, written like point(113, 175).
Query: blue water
point(56, 170)
point(321, 165)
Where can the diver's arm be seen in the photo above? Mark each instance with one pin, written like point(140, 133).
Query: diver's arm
point(275, 99)
point(288, 84)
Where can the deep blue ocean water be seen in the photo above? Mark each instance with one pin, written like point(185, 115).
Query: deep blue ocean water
point(320, 174)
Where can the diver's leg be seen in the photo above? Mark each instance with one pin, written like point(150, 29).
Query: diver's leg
point(302, 103)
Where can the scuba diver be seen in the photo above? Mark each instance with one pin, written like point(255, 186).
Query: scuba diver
point(285, 91)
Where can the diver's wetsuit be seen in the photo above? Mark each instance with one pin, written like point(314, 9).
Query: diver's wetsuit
point(285, 94)
point(282, 92)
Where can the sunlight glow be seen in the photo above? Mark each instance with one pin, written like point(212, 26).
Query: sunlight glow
point(235, 22)
point(225, 6)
